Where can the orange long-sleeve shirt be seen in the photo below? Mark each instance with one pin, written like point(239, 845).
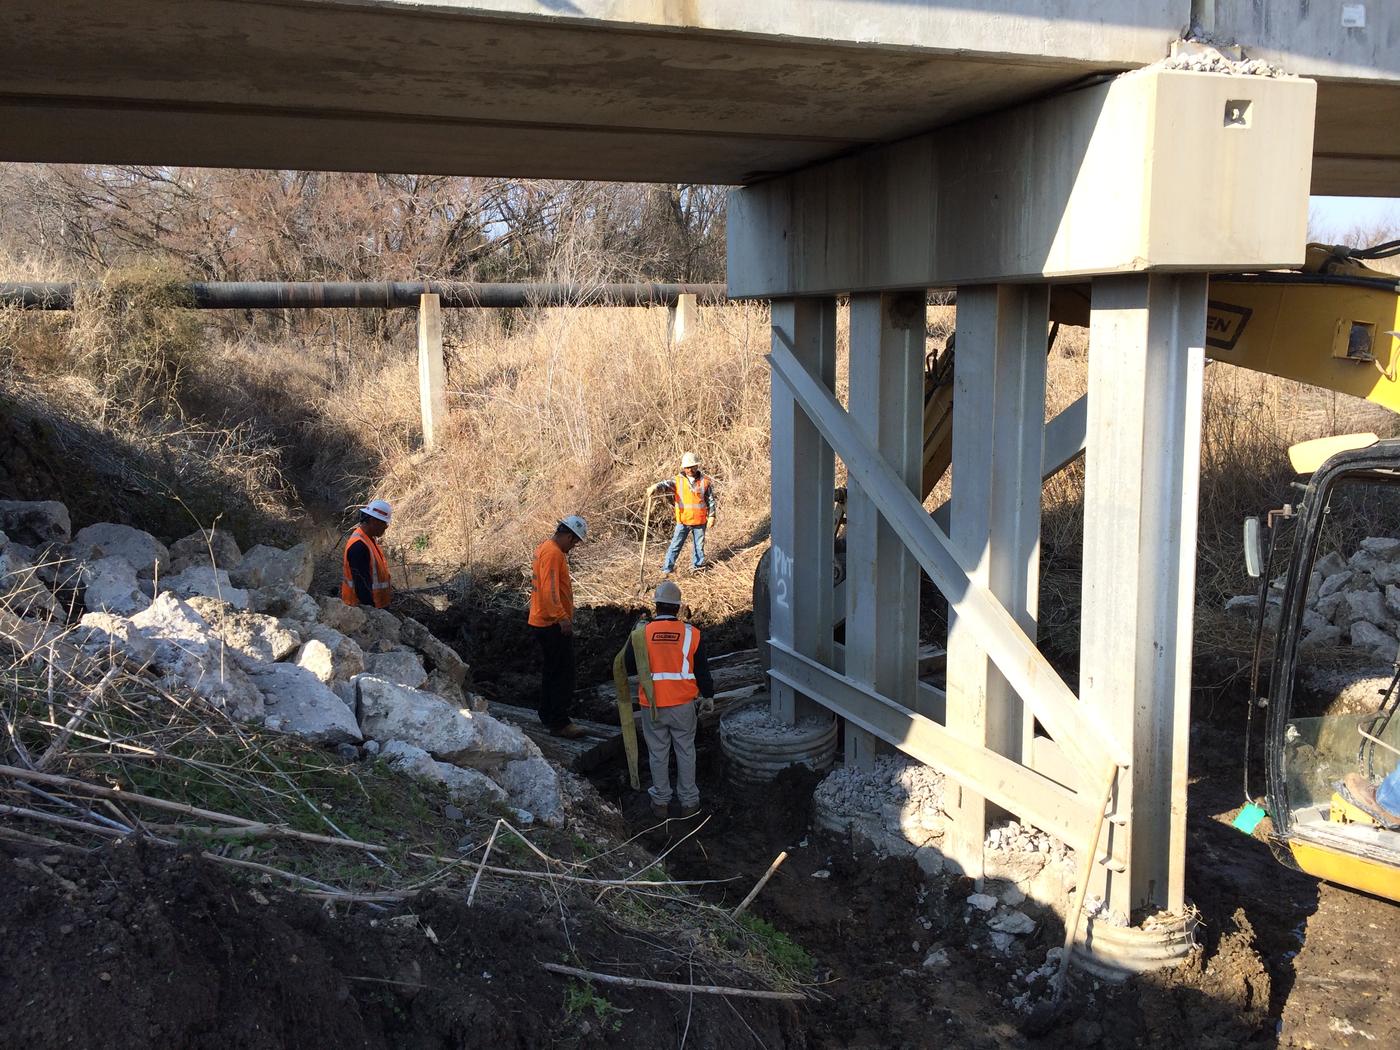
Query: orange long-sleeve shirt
point(551, 587)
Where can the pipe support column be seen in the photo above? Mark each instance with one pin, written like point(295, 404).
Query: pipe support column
point(1142, 480)
point(803, 515)
point(998, 439)
point(882, 577)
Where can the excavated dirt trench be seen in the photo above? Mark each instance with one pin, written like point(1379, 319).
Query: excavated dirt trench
point(869, 924)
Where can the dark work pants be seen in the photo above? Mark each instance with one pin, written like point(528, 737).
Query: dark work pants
point(556, 675)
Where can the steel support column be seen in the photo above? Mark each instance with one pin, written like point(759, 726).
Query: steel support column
point(803, 481)
point(1146, 355)
point(882, 592)
point(998, 440)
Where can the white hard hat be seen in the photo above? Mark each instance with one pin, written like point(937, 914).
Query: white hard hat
point(667, 593)
point(576, 525)
point(690, 459)
point(379, 508)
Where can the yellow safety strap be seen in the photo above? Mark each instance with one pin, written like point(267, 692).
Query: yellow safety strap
point(624, 698)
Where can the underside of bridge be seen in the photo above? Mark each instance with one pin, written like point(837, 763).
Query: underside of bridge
point(886, 147)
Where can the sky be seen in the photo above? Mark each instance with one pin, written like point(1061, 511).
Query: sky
point(1341, 215)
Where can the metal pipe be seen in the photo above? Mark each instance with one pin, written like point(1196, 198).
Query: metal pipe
point(383, 295)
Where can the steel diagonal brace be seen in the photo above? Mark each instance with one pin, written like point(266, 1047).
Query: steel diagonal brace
point(1084, 739)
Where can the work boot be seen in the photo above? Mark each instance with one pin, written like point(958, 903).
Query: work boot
point(569, 731)
point(661, 811)
point(689, 811)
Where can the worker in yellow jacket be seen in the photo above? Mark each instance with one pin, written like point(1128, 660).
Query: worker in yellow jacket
point(552, 624)
point(677, 674)
point(693, 493)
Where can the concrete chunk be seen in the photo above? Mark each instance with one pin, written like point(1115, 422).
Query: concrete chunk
point(206, 582)
point(215, 548)
point(296, 702)
point(141, 550)
point(469, 787)
point(466, 738)
point(270, 567)
point(35, 523)
point(110, 585)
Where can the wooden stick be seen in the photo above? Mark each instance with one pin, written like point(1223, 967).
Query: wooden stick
point(777, 861)
point(1086, 869)
point(67, 822)
point(40, 840)
point(66, 734)
point(668, 986)
point(630, 884)
point(1377, 740)
point(646, 528)
point(476, 879)
point(252, 827)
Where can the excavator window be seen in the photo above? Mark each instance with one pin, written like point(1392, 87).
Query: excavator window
point(1340, 737)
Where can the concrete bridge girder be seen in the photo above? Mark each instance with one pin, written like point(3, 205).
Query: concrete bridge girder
point(1151, 182)
point(719, 91)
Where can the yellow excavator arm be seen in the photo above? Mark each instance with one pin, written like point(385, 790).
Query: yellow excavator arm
point(1332, 325)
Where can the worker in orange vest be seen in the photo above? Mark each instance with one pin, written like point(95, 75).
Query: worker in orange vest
point(694, 495)
point(675, 674)
point(552, 624)
point(365, 572)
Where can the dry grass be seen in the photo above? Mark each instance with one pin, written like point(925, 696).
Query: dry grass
point(577, 411)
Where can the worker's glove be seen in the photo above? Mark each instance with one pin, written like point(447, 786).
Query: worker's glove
point(707, 705)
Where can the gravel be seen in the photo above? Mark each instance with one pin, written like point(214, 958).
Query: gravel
point(895, 781)
point(756, 720)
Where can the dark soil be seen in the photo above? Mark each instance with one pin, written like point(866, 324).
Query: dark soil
point(137, 947)
point(491, 634)
point(864, 922)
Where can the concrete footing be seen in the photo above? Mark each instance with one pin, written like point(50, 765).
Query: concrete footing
point(758, 746)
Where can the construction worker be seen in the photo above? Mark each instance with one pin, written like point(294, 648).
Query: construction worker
point(552, 624)
point(694, 496)
point(365, 572)
point(677, 672)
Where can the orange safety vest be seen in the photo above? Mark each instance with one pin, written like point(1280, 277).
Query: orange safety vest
point(379, 572)
point(692, 501)
point(671, 648)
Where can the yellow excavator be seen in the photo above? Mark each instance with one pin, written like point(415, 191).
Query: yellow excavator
point(1334, 324)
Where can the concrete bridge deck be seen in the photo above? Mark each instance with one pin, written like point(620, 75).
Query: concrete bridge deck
point(721, 91)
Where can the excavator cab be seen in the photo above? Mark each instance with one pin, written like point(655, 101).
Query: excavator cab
point(1332, 731)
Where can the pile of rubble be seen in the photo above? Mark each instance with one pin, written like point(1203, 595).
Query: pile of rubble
point(241, 631)
point(895, 809)
point(1350, 601)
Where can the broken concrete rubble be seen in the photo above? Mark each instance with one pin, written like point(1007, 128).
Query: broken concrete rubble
point(188, 652)
point(35, 523)
point(285, 602)
point(393, 712)
point(110, 585)
point(468, 786)
point(295, 701)
point(102, 633)
point(330, 656)
point(533, 784)
point(347, 619)
point(264, 566)
point(255, 637)
point(894, 809)
point(213, 547)
point(399, 667)
point(206, 582)
point(142, 551)
point(21, 589)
